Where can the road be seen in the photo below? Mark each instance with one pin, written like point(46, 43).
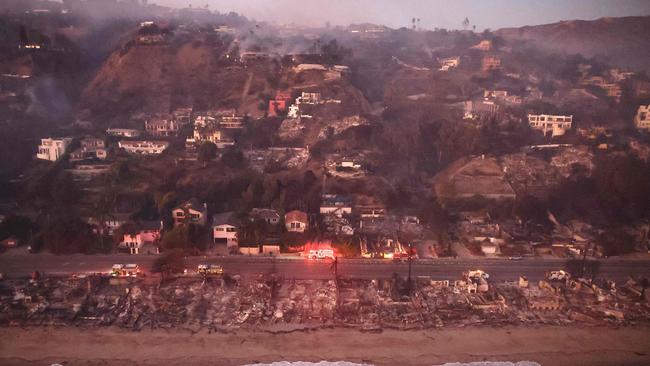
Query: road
point(20, 265)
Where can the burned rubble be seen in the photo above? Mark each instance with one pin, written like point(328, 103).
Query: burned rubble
point(224, 304)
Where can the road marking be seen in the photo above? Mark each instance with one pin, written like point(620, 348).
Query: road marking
point(66, 263)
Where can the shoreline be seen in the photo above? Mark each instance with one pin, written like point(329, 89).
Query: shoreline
point(545, 344)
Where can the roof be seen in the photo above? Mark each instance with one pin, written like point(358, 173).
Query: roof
point(192, 203)
point(335, 200)
point(224, 218)
point(295, 215)
point(148, 225)
point(265, 213)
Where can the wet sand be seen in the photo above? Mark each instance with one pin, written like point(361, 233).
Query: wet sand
point(548, 345)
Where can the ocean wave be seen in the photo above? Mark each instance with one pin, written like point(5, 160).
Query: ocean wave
point(301, 363)
point(344, 363)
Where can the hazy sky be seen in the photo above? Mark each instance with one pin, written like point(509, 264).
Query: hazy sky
point(433, 13)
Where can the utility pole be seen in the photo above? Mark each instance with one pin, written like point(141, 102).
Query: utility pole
point(584, 260)
point(335, 267)
point(410, 262)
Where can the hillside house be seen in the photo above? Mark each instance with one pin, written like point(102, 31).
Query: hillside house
point(143, 239)
point(123, 132)
point(53, 149)
point(143, 147)
point(231, 121)
point(162, 126)
point(183, 115)
point(204, 120)
point(490, 63)
point(309, 98)
point(372, 212)
point(296, 221)
point(214, 135)
point(91, 148)
point(557, 125)
point(484, 45)
point(335, 204)
point(495, 94)
point(642, 118)
point(190, 212)
point(448, 63)
point(474, 109)
point(89, 143)
point(224, 229)
point(110, 223)
point(268, 215)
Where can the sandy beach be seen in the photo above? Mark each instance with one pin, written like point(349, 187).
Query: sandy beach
point(548, 345)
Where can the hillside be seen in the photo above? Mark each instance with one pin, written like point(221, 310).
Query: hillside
point(160, 77)
point(622, 41)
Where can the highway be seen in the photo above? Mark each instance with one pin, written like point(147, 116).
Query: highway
point(22, 265)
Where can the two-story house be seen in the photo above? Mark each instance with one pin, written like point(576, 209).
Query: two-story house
point(143, 239)
point(52, 149)
point(224, 229)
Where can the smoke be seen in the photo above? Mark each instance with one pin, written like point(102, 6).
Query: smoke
point(48, 100)
point(433, 13)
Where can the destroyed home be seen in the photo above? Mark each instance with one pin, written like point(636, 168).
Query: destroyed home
point(642, 118)
point(557, 125)
point(183, 115)
point(335, 204)
point(490, 63)
point(162, 126)
point(467, 178)
point(123, 132)
point(268, 215)
point(91, 148)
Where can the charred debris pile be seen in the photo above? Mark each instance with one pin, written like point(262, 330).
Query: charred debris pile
point(223, 304)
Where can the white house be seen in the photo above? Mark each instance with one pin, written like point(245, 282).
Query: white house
point(642, 118)
point(558, 125)
point(144, 239)
point(123, 132)
point(448, 63)
point(190, 212)
point(144, 147)
point(296, 221)
point(224, 229)
point(52, 148)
